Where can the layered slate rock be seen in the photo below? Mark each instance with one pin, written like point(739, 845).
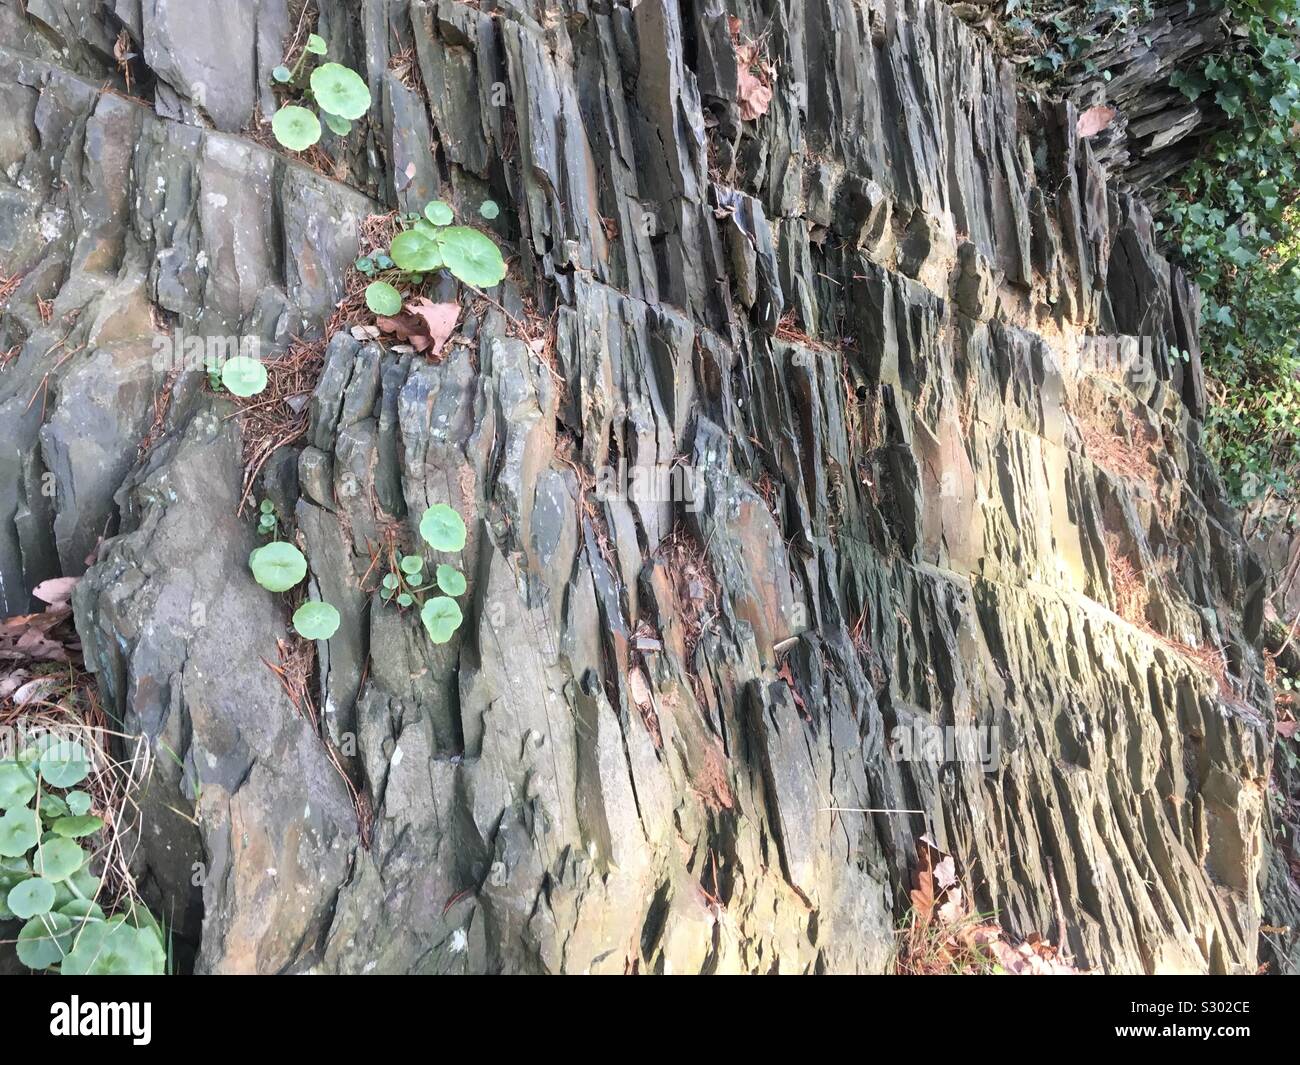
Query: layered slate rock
point(666, 738)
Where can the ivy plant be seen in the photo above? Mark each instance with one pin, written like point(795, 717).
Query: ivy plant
point(1234, 222)
point(45, 872)
point(339, 93)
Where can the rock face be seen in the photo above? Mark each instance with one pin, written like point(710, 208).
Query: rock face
point(894, 492)
point(1156, 131)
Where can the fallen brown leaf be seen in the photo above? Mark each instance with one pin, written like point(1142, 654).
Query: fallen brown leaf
point(55, 591)
point(440, 320)
point(1094, 120)
point(753, 95)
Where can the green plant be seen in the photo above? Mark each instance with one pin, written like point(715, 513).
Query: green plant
point(277, 566)
point(407, 584)
point(268, 523)
point(1233, 220)
point(316, 620)
point(441, 618)
point(45, 876)
point(295, 127)
point(382, 298)
point(1230, 217)
point(442, 528)
point(243, 376)
point(404, 584)
point(339, 92)
point(425, 243)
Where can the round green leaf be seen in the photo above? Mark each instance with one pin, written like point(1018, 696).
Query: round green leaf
point(13, 870)
point(442, 528)
point(82, 909)
point(58, 859)
point(78, 803)
point(472, 257)
point(414, 252)
point(266, 507)
point(382, 298)
point(282, 74)
point(411, 564)
point(52, 807)
point(441, 617)
point(44, 940)
point(31, 898)
point(391, 580)
point(295, 127)
point(18, 832)
point(243, 376)
point(63, 762)
point(450, 579)
point(341, 126)
point(438, 213)
point(17, 785)
point(314, 620)
point(81, 884)
point(405, 599)
point(340, 91)
point(76, 827)
point(278, 566)
point(316, 44)
point(115, 948)
point(488, 209)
